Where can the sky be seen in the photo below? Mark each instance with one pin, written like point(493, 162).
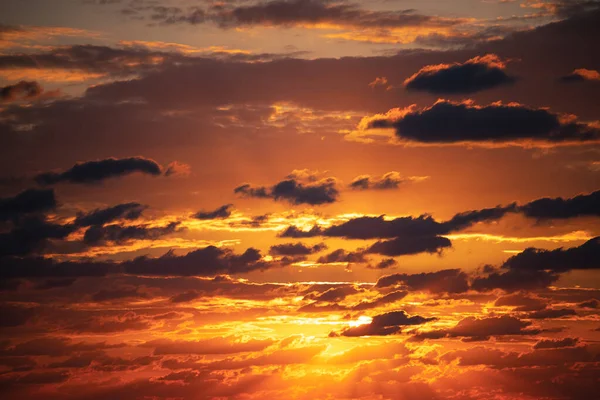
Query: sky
point(299, 199)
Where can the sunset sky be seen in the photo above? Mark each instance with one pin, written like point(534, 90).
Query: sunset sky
point(300, 199)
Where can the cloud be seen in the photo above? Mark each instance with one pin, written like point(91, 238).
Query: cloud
point(559, 208)
point(481, 329)
point(555, 344)
point(581, 75)
point(521, 302)
point(97, 171)
point(27, 202)
point(592, 303)
point(221, 212)
point(117, 294)
point(177, 168)
point(296, 249)
point(96, 235)
point(474, 75)
point(389, 180)
point(409, 235)
point(297, 189)
point(23, 90)
point(15, 316)
point(333, 294)
point(586, 256)
point(448, 122)
point(54, 347)
point(386, 324)
point(320, 14)
point(389, 298)
point(185, 297)
point(217, 345)
point(409, 245)
point(208, 261)
point(126, 211)
point(514, 280)
point(551, 313)
point(447, 280)
point(202, 262)
point(30, 235)
point(343, 256)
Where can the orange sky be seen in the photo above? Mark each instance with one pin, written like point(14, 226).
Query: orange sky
point(299, 199)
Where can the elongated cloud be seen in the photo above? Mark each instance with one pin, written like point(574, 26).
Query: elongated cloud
point(127, 211)
point(389, 180)
point(448, 281)
point(23, 90)
point(96, 235)
point(474, 75)
point(300, 187)
point(208, 261)
point(581, 75)
point(296, 249)
point(482, 329)
point(586, 256)
point(563, 208)
point(221, 212)
point(447, 122)
point(26, 202)
point(290, 13)
point(386, 324)
point(98, 171)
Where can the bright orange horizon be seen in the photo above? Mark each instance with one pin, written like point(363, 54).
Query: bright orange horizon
point(299, 199)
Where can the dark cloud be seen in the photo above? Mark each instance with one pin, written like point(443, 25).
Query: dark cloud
point(289, 13)
point(221, 212)
point(333, 294)
point(296, 249)
point(386, 263)
point(555, 344)
point(23, 90)
point(476, 74)
point(97, 171)
point(295, 190)
point(208, 261)
point(389, 298)
point(521, 302)
point(98, 235)
point(31, 235)
point(117, 294)
point(185, 297)
point(55, 283)
point(203, 262)
point(410, 245)
point(29, 201)
point(586, 256)
point(343, 256)
point(481, 329)
point(448, 280)
point(592, 303)
point(389, 180)
point(551, 313)
point(466, 219)
point(127, 211)
point(15, 316)
point(559, 208)
point(581, 75)
point(54, 347)
point(448, 122)
point(514, 280)
point(386, 324)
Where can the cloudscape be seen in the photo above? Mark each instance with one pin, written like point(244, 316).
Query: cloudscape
point(299, 199)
